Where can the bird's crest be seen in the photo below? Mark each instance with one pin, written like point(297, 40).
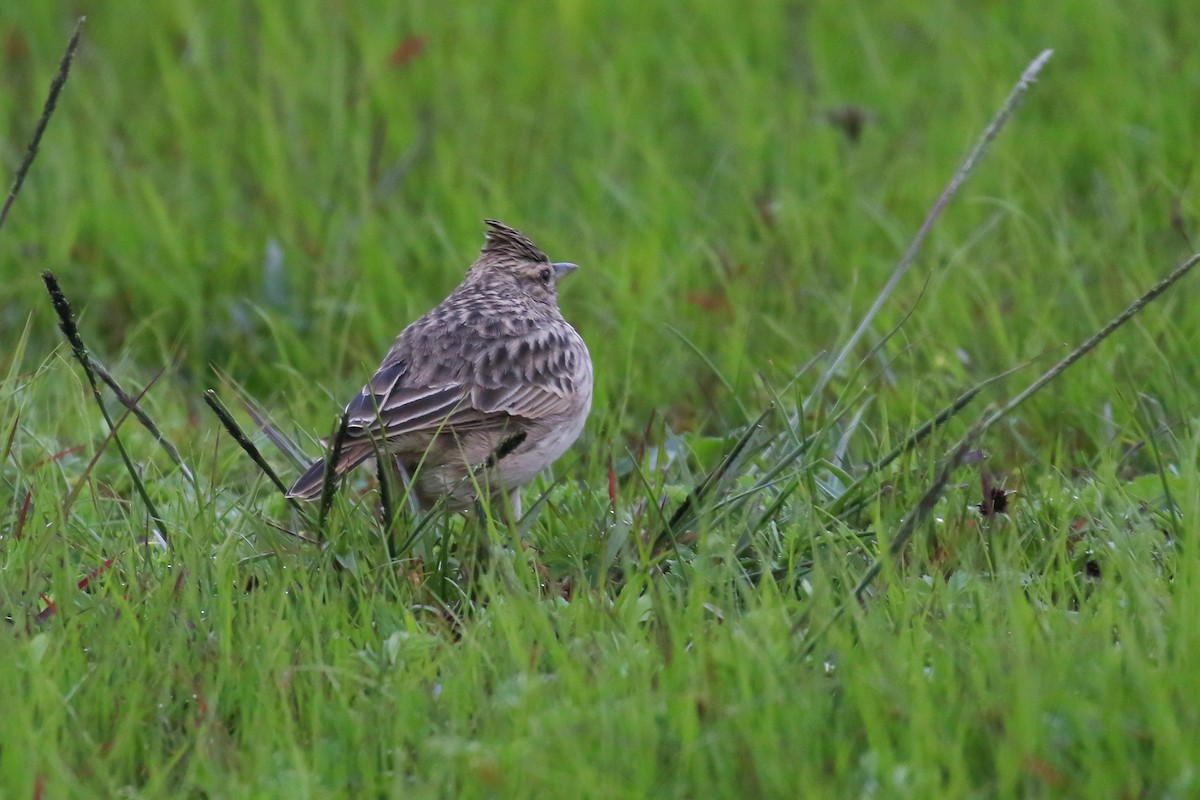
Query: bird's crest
point(502, 240)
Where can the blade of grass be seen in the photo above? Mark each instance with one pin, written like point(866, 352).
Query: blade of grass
point(697, 495)
point(66, 318)
point(263, 421)
point(14, 369)
point(926, 504)
point(239, 436)
point(906, 260)
point(852, 497)
point(144, 418)
point(73, 493)
point(1096, 338)
point(56, 86)
point(708, 362)
point(1161, 469)
point(933, 493)
point(329, 479)
point(988, 420)
point(387, 510)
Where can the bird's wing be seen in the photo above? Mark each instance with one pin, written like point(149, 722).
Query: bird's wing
point(392, 404)
point(388, 407)
point(534, 376)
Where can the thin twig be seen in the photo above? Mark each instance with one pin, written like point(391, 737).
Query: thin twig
point(906, 261)
point(56, 85)
point(141, 416)
point(1098, 337)
point(66, 320)
point(287, 531)
point(952, 461)
point(329, 479)
point(925, 505)
point(239, 436)
point(69, 499)
point(848, 499)
point(503, 450)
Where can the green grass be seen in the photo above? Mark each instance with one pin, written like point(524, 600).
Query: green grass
point(270, 193)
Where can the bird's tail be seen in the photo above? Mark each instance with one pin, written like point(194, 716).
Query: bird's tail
point(308, 486)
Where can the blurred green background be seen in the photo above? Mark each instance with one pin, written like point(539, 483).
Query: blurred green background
point(276, 189)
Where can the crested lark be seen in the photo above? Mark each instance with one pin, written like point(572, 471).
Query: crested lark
point(484, 391)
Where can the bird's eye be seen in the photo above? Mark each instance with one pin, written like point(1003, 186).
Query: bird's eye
point(545, 275)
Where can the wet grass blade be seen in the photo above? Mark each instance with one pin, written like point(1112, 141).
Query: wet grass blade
point(690, 504)
point(56, 86)
point(239, 436)
point(66, 320)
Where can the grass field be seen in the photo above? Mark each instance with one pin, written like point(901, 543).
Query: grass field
point(257, 197)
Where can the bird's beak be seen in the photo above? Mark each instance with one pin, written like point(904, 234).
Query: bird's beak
point(563, 267)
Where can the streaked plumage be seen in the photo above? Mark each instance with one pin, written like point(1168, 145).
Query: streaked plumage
point(494, 366)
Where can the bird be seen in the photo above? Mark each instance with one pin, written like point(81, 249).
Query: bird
point(480, 394)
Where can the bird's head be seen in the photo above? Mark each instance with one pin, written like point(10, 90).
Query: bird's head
point(509, 255)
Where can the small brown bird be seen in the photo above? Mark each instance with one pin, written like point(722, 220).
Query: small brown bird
point(481, 393)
